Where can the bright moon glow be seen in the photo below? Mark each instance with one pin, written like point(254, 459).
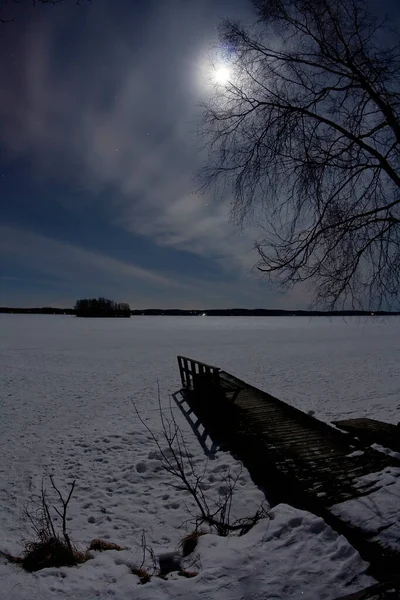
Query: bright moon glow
point(221, 75)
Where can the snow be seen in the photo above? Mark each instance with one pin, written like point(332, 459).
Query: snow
point(292, 555)
point(355, 453)
point(378, 512)
point(387, 451)
point(66, 409)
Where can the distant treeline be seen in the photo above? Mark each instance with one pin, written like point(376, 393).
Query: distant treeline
point(101, 307)
point(229, 312)
point(45, 310)
point(260, 312)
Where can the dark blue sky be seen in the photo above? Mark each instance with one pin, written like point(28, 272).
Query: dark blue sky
point(98, 152)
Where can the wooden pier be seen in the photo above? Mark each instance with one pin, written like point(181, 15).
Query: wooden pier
point(293, 456)
point(372, 431)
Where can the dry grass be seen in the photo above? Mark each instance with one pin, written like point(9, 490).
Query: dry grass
point(51, 552)
point(55, 552)
point(189, 543)
point(188, 574)
point(15, 560)
point(102, 545)
point(143, 575)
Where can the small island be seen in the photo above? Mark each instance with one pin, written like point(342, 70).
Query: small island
point(101, 307)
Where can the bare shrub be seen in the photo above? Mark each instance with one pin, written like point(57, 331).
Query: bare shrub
point(146, 573)
point(52, 547)
point(177, 460)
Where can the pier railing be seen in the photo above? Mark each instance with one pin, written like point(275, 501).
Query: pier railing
point(193, 372)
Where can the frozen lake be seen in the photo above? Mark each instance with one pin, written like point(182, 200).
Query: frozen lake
point(335, 367)
point(66, 390)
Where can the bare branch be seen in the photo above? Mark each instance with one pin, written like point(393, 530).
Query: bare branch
point(177, 461)
point(64, 504)
point(307, 135)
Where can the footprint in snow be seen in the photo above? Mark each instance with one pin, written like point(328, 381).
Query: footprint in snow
point(173, 505)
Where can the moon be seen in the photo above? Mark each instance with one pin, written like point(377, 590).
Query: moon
point(222, 75)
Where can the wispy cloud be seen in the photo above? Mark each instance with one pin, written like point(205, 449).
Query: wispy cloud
point(69, 262)
point(120, 117)
point(73, 268)
point(114, 114)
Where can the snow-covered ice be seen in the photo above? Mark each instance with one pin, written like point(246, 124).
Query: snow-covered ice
point(67, 387)
point(378, 512)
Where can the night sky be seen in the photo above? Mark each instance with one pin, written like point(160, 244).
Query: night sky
point(99, 109)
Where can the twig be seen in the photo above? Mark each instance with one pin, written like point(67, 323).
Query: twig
point(178, 462)
point(63, 515)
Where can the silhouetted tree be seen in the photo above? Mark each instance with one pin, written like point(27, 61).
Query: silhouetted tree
point(101, 307)
point(307, 135)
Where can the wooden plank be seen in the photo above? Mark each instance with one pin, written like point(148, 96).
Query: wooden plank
point(185, 370)
point(373, 591)
point(372, 431)
point(181, 373)
point(310, 451)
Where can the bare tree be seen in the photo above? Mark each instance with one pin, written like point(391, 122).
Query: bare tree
point(306, 133)
point(176, 459)
point(7, 16)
